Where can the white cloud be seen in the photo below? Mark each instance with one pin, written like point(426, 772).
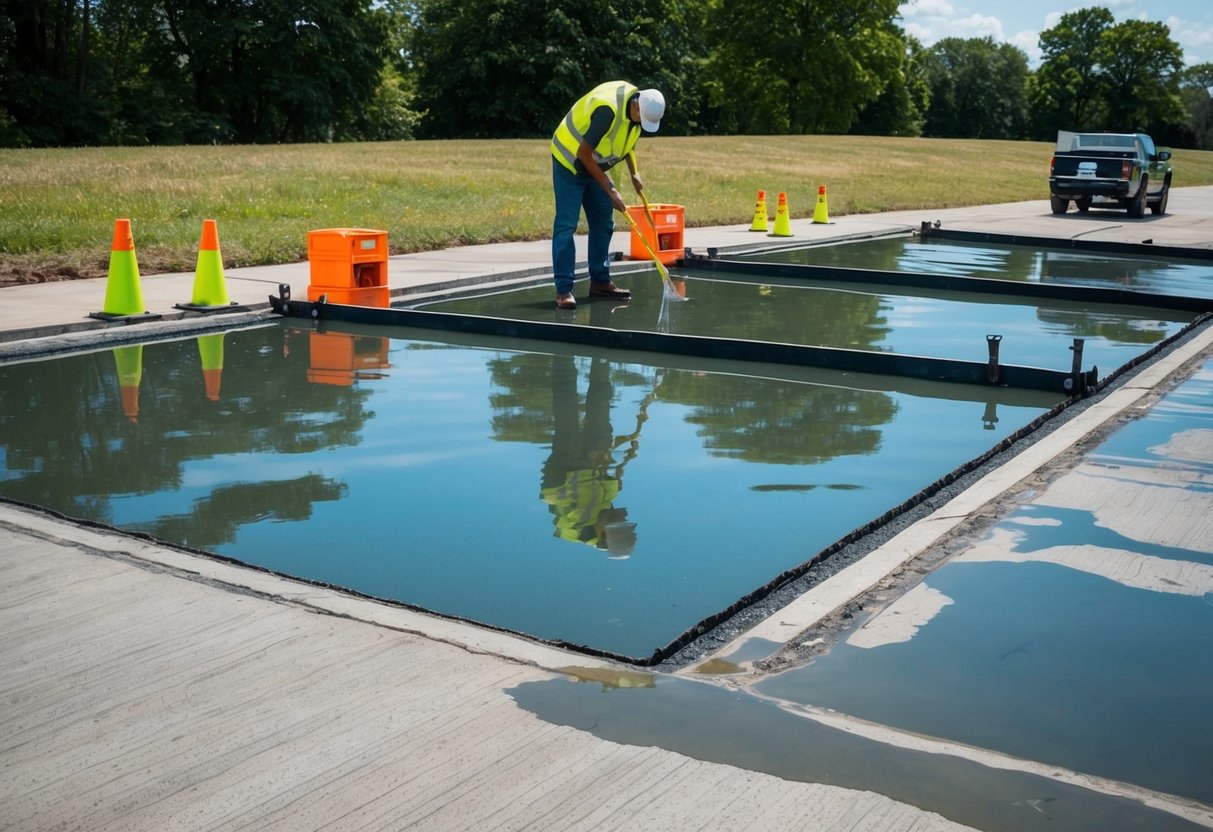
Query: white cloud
point(1029, 41)
point(926, 8)
point(978, 26)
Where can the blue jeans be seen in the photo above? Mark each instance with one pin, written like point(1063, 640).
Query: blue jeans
point(574, 192)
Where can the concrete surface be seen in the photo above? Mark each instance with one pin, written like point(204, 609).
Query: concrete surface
point(146, 688)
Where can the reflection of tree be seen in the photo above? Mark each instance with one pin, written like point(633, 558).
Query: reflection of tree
point(760, 420)
point(215, 520)
point(790, 312)
point(1092, 323)
point(903, 254)
point(68, 446)
point(763, 421)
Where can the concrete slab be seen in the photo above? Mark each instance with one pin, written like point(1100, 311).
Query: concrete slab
point(147, 688)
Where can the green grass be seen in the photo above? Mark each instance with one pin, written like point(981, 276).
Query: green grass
point(57, 207)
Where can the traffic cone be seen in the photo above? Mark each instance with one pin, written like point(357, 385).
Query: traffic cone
point(210, 290)
point(129, 362)
point(210, 350)
point(760, 213)
point(123, 294)
point(783, 223)
point(821, 214)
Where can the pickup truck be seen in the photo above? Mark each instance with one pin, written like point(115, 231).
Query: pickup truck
point(1104, 169)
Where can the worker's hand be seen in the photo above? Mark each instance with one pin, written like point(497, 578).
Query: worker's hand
point(637, 182)
point(617, 201)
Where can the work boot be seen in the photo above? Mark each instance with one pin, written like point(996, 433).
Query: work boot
point(566, 302)
point(608, 289)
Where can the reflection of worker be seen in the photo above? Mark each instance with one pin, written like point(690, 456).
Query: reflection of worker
point(598, 132)
point(580, 477)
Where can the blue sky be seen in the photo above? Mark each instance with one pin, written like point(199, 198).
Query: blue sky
point(1020, 22)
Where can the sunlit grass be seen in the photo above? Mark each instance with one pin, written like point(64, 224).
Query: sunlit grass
point(57, 207)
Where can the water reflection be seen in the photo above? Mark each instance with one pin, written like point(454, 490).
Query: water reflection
point(904, 320)
point(398, 466)
point(581, 477)
point(84, 433)
point(1010, 262)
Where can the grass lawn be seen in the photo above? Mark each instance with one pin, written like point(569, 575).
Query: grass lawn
point(57, 206)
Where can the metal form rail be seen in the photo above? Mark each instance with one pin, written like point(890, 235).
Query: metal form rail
point(991, 373)
point(1146, 247)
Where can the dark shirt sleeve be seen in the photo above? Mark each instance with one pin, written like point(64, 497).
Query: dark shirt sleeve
point(600, 123)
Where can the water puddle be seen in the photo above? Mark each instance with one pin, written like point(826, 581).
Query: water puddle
point(928, 323)
point(574, 495)
point(1065, 636)
point(734, 728)
point(1161, 275)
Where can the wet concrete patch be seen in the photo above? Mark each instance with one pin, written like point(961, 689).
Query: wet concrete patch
point(734, 728)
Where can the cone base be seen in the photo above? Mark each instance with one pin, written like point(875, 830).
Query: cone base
point(136, 316)
point(195, 307)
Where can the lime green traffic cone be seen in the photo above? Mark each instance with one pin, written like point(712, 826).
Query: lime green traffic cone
point(210, 288)
point(123, 294)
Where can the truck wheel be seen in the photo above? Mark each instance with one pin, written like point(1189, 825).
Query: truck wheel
point(1159, 208)
point(1058, 204)
point(1137, 206)
point(1083, 203)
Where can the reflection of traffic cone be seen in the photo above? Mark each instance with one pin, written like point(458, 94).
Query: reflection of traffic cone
point(210, 290)
point(760, 213)
point(129, 361)
point(783, 223)
point(123, 295)
point(821, 214)
point(210, 349)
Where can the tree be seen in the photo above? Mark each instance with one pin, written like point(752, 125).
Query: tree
point(1067, 90)
point(1140, 66)
point(802, 66)
point(900, 108)
point(1100, 75)
point(1196, 84)
point(512, 68)
point(978, 89)
point(277, 70)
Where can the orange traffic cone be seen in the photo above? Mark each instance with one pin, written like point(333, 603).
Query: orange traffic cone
point(123, 294)
point(760, 213)
point(210, 350)
point(129, 363)
point(210, 290)
point(821, 213)
point(783, 222)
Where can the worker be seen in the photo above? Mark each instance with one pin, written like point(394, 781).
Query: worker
point(598, 132)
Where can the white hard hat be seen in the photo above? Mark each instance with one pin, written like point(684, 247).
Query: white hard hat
point(652, 108)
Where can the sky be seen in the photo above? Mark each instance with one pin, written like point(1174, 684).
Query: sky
point(1020, 22)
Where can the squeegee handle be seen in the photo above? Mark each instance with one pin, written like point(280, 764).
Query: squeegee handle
point(661, 270)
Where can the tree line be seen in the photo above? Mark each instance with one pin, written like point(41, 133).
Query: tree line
point(103, 72)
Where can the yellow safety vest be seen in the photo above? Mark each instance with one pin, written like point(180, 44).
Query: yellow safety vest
point(618, 140)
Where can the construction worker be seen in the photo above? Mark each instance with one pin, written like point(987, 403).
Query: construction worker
point(598, 132)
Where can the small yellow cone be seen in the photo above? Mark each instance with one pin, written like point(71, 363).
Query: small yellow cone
point(821, 213)
point(210, 350)
point(209, 286)
point(760, 213)
point(123, 294)
point(783, 222)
